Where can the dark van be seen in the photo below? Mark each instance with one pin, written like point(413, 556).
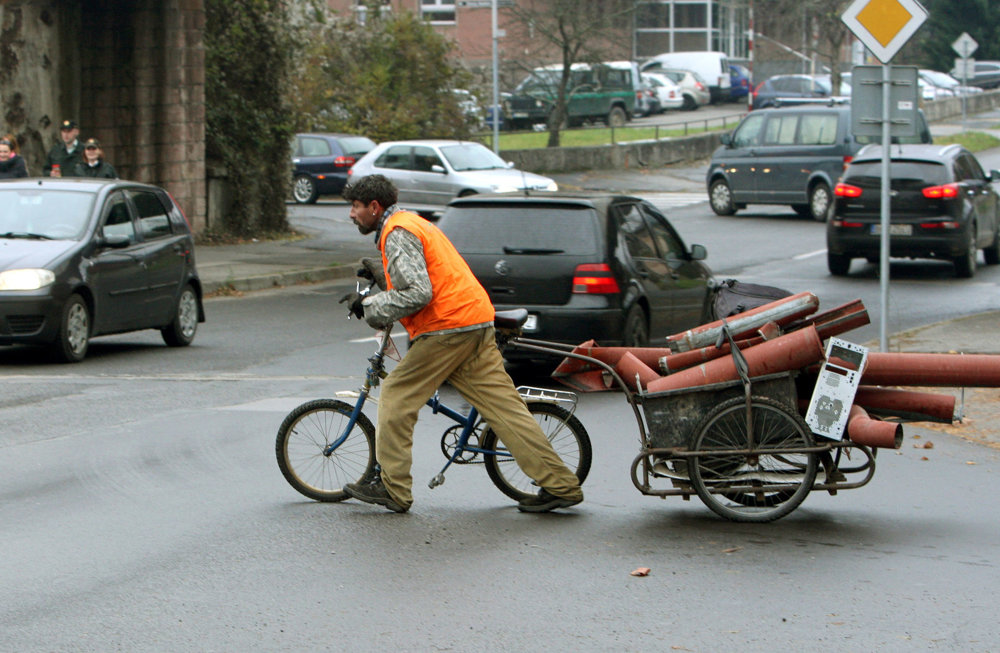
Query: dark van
point(790, 155)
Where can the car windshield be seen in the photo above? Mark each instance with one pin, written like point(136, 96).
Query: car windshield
point(44, 213)
point(471, 156)
point(357, 144)
point(504, 229)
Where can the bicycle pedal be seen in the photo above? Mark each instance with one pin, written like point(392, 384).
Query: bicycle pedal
point(436, 481)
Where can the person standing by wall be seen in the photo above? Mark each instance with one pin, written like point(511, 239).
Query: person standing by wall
point(93, 164)
point(11, 163)
point(64, 155)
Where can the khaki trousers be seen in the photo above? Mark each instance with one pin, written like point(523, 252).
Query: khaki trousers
point(472, 363)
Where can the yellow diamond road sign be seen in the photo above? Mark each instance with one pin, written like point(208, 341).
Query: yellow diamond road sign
point(884, 26)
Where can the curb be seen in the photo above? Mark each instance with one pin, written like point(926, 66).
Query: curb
point(278, 280)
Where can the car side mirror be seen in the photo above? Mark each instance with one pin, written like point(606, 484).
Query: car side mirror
point(994, 175)
point(698, 253)
point(727, 139)
point(438, 168)
point(114, 241)
point(508, 164)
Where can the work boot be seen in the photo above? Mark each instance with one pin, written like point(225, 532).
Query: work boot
point(545, 502)
point(373, 492)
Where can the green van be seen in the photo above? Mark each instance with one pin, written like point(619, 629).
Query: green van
point(604, 92)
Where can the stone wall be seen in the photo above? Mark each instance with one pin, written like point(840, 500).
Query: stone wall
point(130, 72)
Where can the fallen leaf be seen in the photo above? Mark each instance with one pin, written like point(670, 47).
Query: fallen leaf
point(733, 550)
point(641, 571)
point(928, 445)
point(924, 458)
point(970, 462)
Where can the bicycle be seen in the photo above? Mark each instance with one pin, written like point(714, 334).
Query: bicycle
point(326, 443)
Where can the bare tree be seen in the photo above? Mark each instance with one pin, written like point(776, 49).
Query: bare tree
point(576, 31)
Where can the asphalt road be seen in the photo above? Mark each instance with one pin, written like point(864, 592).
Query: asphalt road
point(142, 510)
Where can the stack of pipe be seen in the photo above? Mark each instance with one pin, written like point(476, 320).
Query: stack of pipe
point(787, 335)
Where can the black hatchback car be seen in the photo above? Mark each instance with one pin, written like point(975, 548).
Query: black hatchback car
point(321, 161)
point(86, 257)
point(585, 265)
point(942, 205)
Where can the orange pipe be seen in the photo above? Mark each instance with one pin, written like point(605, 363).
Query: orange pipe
point(629, 366)
point(863, 430)
point(906, 404)
point(951, 370)
point(788, 352)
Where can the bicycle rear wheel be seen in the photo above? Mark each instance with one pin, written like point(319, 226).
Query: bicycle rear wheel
point(768, 483)
point(302, 439)
point(563, 430)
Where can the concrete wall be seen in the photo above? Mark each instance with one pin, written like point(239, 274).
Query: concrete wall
point(131, 73)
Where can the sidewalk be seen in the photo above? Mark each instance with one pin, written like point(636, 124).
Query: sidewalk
point(273, 264)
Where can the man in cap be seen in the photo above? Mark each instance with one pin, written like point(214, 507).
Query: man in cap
point(64, 156)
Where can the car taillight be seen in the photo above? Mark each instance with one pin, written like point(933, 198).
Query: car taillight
point(845, 223)
point(940, 225)
point(344, 161)
point(701, 87)
point(846, 190)
point(945, 191)
point(594, 279)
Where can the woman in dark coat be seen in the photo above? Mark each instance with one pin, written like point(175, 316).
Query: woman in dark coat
point(93, 164)
point(11, 163)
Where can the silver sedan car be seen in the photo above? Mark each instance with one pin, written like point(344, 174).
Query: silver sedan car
point(430, 173)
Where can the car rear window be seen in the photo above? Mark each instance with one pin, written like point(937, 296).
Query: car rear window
point(357, 145)
point(503, 229)
point(924, 173)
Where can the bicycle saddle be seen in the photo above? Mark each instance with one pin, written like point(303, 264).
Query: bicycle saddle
point(512, 319)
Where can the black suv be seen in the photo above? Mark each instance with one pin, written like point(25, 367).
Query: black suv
point(585, 265)
point(942, 205)
point(790, 155)
point(321, 162)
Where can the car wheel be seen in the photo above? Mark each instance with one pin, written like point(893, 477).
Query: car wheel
point(636, 333)
point(991, 254)
point(181, 330)
point(689, 103)
point(838, 264)
point(720, 197)
point(74, 331)
point(304, 190)
point(965, 264)
point(819, 201)
point(617, 117)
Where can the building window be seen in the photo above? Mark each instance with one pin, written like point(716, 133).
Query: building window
point(438, 11)
point(361, 10)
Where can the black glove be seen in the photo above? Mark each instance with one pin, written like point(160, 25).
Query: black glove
point(371, 269)
point(353, 300)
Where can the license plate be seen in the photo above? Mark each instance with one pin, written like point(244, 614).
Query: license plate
point(894, 229)
point(531, 323)
point(519, 114)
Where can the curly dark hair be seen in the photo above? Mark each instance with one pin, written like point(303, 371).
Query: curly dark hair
point(377, 188)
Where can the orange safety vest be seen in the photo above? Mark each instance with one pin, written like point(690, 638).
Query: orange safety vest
point(458, 300)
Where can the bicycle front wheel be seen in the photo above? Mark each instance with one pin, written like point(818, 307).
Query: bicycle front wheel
point(563, 430)
point(765, 484)
point(301, 446)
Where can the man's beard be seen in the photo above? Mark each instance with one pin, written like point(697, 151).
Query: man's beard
point(365, 230)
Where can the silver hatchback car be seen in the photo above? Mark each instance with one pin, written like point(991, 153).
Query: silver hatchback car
point(430, 173)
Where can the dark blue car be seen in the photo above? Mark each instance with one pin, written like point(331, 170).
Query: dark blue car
point(321, 162)
point(739, 82)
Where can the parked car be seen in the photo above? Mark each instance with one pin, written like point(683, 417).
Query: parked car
point(430, 173)
point(321, 161)
point(947, 82)
point(986, 74)
point(739, 82)
point(790, 155)
point(81, 258)
point(693, 87)
point(647, 102)
point(599, 92)
point(585, 265)
point(667, 91)
point(772, 90)
point(942, 205)
point(711, 67)
point(468, 103)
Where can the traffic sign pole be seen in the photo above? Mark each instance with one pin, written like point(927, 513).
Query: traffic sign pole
point(883, 262)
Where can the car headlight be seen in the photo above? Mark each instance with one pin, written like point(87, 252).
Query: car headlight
point(552, 186)
point(27, 279)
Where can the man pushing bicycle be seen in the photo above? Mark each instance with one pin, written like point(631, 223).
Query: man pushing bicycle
point(432, 292)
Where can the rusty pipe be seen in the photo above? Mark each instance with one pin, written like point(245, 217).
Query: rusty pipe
point(906, 404)
point(863, 430)
point(951, 370)
point(629, 367)
point(782, 311)
point(788, 352)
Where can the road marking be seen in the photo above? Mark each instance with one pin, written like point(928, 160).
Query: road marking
point(817, 252)
point(673, 200)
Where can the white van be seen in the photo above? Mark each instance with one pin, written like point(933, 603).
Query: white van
point(712, 66)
